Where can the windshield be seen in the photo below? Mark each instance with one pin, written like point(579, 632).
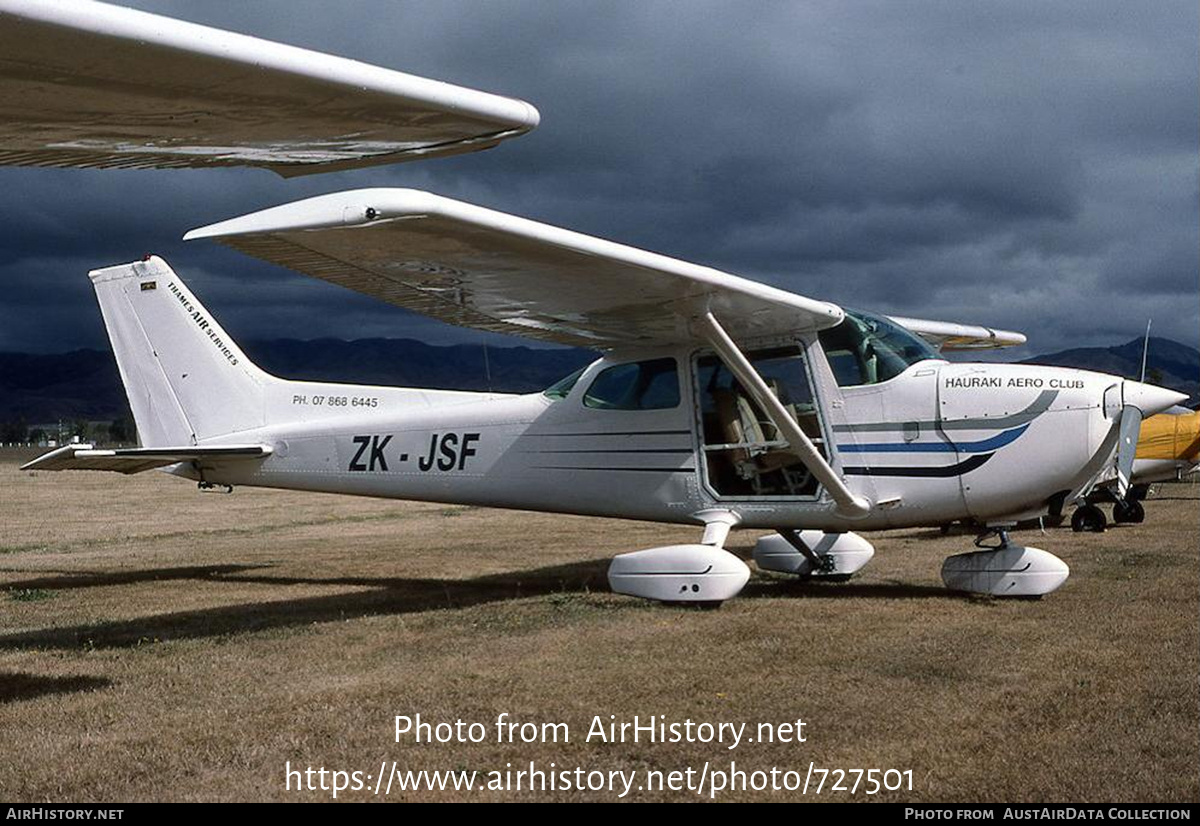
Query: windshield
point(562, 388)
point(868, 349)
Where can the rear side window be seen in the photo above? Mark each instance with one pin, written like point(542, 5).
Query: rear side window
point(639, 385)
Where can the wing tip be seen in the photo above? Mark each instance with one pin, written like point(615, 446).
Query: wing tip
point(465, 119)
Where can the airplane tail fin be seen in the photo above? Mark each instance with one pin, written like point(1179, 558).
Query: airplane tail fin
point(185, 377)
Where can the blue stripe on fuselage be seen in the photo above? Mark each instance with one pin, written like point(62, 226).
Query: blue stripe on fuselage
point(994, 443)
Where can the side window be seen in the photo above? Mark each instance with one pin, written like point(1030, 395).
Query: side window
point(639, 385)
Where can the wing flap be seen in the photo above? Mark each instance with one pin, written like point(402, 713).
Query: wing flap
point(136, 460)
point(86, 84)
point(480, 268)
point(950, 336)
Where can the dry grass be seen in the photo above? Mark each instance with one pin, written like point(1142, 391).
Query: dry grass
point(160, 644)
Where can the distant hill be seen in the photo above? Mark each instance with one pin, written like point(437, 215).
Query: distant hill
point(85, 384)
point(1168, 363)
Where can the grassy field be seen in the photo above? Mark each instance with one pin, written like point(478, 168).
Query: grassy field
point(161, 644)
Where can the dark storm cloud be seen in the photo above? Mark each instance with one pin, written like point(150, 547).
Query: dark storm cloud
point(1019, 164)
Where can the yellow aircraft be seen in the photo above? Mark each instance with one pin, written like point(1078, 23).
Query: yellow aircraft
point(1169, 447)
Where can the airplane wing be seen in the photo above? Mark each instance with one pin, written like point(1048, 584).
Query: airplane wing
point(135, 460)
point(480, 268)
point(85, 84)
point(947, 336)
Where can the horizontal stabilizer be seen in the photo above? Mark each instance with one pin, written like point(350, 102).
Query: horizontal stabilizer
point(137, 459)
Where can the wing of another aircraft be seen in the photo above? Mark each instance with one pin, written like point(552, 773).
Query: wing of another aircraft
point(137, 459)
point(480, 268)
point(948, 336)
point(85, 84)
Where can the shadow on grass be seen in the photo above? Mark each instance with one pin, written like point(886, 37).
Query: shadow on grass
point(15, 687)
point(386, 596)
point(66, 580)
point(777, 588)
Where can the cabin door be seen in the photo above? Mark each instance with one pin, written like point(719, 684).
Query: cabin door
point(744, 454)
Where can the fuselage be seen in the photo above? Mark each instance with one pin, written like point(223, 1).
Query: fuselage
point(663, 435)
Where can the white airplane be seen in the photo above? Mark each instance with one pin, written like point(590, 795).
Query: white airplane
point(718, 402)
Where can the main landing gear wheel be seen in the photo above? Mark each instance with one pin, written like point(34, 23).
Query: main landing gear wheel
point(1088, 518)
point(1005, 569)
point(701, 575)
point(1128, 512)
point(812, 554)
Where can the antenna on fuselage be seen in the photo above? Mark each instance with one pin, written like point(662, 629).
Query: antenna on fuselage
point(487, 367)
point(1145, 350)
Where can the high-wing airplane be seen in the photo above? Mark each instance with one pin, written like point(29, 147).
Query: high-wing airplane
point(717, 401)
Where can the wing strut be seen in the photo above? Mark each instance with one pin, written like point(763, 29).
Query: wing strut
point(848, 503)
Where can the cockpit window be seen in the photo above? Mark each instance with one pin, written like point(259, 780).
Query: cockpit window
point(868, 349)
point(562, 388)
point(639, 385)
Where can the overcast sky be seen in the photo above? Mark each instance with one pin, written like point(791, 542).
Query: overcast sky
point(1027, 165)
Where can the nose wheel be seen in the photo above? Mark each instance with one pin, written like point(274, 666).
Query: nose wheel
point(1089, 518)
point(1130, 511)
